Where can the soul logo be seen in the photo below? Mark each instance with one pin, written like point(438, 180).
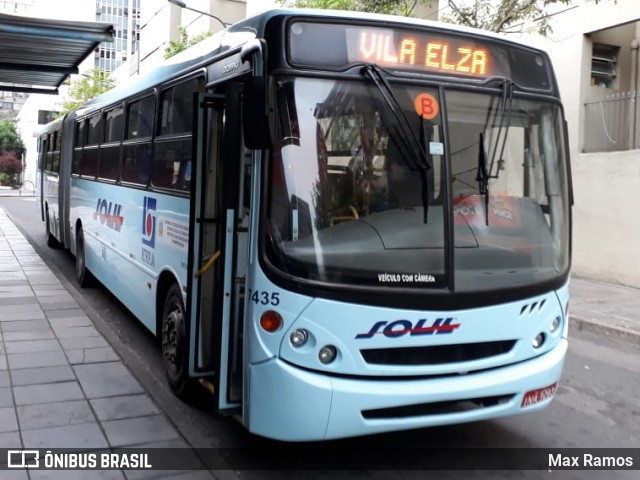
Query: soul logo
point(108, 213)
point(400, 328)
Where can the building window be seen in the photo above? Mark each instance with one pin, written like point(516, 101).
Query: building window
point(45, 116)
point(604, 61)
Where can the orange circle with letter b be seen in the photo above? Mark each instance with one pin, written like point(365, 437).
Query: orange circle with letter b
point(426, 106)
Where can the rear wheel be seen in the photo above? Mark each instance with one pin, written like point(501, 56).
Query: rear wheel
point(82, 274)
point(51, 240)
point(174, 342)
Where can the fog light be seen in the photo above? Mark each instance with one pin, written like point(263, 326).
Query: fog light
point(298, 338)
point(555, 324)
point(539, 340)
point(327, 354)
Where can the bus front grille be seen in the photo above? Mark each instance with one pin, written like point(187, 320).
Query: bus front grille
point(436, 408)
point(437, 354)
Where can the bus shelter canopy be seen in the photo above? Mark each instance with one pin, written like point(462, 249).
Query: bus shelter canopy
point(37, 55)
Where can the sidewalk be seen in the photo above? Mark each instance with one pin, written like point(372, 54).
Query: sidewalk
point(605, 309)
point(17, 192)
point(61, 383)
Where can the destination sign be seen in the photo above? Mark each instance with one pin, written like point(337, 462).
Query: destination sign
point(387, 48)
point(335, 46)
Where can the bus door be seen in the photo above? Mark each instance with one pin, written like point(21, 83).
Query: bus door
point(218, 248)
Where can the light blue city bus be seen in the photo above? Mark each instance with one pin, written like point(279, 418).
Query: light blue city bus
point(340, 224)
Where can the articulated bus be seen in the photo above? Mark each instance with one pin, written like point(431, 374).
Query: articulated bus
point(341, 224)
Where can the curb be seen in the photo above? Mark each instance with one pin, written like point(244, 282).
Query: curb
point(617, 332)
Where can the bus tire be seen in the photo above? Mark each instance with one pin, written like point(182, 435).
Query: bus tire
point(82, 273)
point(173, 338)
point(51, 240)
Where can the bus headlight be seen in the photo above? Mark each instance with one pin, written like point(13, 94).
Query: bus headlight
point(327, 354)
point(298, 338)
point(555, 324)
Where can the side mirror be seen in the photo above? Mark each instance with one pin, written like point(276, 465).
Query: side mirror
point(255, 114)
point(255, 101)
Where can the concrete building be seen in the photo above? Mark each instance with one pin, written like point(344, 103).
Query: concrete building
point(125, 17)
point(162, 21)
point(594, 50)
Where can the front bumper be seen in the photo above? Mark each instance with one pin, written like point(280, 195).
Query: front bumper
point(292, 404)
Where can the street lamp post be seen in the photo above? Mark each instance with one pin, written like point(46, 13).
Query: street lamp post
point(181, 4)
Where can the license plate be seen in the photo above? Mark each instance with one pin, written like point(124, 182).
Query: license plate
point(536, 396)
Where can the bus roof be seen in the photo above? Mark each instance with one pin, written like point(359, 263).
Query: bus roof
point(258, 21)
point(245, 30)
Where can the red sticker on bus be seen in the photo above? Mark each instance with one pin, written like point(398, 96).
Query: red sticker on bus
point(503, 211)
point(426, 106)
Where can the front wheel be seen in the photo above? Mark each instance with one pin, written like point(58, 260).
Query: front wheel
point(174, 342)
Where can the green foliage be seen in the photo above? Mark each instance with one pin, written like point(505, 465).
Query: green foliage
point(10, 141)
point(92, 84)
point(5, 179)
point(494, 15)
point(405, 8)
point(184, 41)
point(506, 16)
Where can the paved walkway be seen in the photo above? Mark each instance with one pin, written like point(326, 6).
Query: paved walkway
point(61, 383)
point(606, 309)
point(27, 191)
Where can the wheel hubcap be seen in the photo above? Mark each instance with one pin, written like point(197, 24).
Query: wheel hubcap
point(171, 333)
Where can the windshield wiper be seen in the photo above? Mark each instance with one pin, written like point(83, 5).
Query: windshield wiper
point(505, 112)
point(482, 176)
point(404, 131)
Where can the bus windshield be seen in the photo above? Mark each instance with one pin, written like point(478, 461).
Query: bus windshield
point(348, 204)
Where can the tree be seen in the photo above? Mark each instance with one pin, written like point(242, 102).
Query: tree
point(92, 84)
point(184, 41)
point(10, 141)
point(405, 8)
point(10, 166)
point(505, 16)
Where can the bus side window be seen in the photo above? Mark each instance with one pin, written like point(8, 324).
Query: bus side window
point(136, 163)
point(140, 118)
point(91, 155)
point(48, 160)
point(172, 154)
point(136, 152)
point(110, 153)
point(42, 148)
point(176, 104)
point(55, 155)
point(79, 143)
point(172, 165)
